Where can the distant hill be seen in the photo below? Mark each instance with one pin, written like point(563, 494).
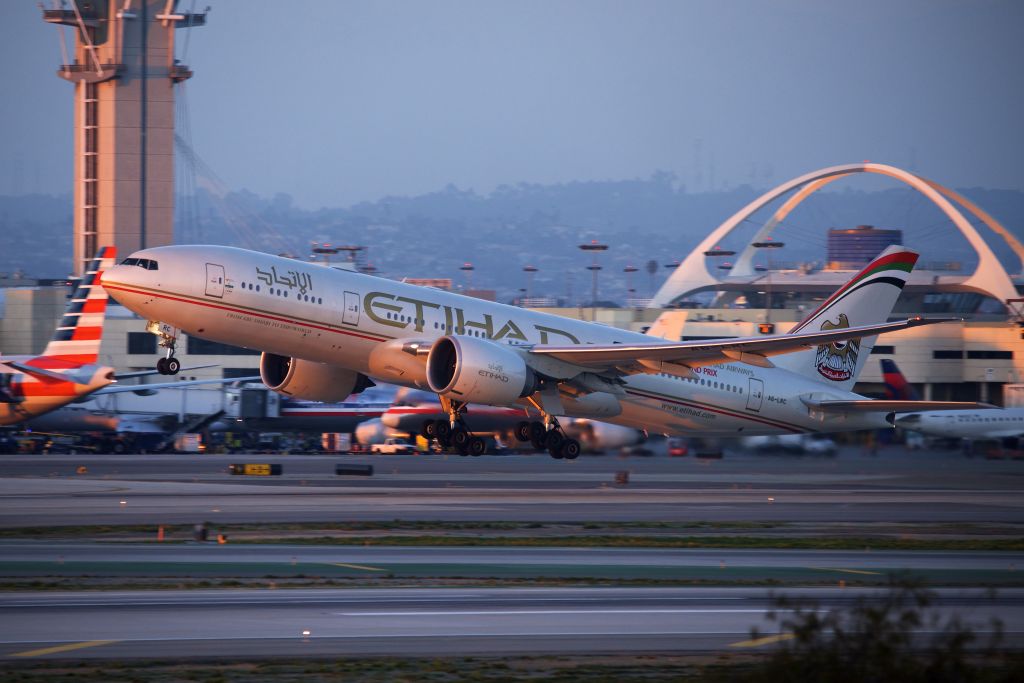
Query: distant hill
point(432, 235)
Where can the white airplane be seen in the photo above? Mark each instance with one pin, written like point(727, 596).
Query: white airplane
point(324, 331)
point(987, 423)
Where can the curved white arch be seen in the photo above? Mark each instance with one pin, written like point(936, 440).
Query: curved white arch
point(989, 277)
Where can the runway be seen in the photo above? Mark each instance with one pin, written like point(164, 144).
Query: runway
point(896, 487)
point(409, 622)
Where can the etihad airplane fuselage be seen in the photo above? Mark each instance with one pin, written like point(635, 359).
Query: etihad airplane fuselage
point(360, 322)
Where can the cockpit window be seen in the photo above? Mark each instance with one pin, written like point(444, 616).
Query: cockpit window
point(148, 264)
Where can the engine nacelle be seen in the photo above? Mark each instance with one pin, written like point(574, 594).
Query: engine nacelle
point(478, 371)
point(310, 380)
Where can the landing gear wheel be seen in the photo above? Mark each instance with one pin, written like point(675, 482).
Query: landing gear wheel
point(570, 449)
point(538, 435)
point(553, 442)
point(476, 446)
point(173, 365)
point(462, 449)
point(429, 430)
point(460, 438)
point(443, 430)
point(161, 366)
point(524, 432)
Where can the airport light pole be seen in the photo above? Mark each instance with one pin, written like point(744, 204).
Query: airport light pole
point(468, 269)
point(629, 270)
point(530, 271)
point(594, 247)
point(768, 244)
point(652, 270)
point(325, 250)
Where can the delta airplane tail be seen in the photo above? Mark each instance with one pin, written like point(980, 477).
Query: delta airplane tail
point(868, 298)
point(896, 385)
point(78, 336)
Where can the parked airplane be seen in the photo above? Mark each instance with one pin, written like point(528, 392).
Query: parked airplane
point(986, 423)
point(487, 420)
point(67, 370)
point(323, 332)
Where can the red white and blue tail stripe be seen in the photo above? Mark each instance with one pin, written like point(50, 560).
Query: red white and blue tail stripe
point(78, 336)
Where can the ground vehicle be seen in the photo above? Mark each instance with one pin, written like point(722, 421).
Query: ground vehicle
point(393, 446)
point(677, 448)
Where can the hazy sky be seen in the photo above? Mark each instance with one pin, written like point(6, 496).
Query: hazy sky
point(336, 102)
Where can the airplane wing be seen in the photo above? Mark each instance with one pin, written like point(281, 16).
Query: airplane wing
point(147, 373)
point(634, 358)
point(150, 389)
point(883, 406)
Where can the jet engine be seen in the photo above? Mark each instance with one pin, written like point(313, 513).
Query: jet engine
point(310, 380)
point(478, 371)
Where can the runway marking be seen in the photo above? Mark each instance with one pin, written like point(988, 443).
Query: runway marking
point(847, 571)
point(766, 640)
point(358, 566)
point(62, 648)
point(501, 612)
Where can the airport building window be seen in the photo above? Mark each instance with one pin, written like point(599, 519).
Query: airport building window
point(141, 342)
point(946, 354)
point(228, 373)
point(883, 350)
point(990, 355)
point(208, 348)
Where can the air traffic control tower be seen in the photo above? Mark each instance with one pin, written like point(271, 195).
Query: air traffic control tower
point(124, 71)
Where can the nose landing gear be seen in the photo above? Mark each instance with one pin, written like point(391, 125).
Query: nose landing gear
point(169, 365)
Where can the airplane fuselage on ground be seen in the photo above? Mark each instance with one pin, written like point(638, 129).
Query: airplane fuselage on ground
point(356, 321)
point(967, 424)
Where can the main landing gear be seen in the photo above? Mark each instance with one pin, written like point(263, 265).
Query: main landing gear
point(453, 433)
point(548, 437)
point(169, 365)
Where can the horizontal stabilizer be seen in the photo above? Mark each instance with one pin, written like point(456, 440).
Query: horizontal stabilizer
point(39, 373)
point(883, 406)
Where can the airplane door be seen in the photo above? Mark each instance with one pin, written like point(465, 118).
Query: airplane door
point(214, 280)
point(350, 316)
point(755, 395)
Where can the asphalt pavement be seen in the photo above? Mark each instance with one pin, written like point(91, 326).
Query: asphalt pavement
point(191, 624)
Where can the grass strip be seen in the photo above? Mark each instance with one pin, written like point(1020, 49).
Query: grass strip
point(623, 541)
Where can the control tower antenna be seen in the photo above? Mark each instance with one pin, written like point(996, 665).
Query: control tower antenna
point(124, 73)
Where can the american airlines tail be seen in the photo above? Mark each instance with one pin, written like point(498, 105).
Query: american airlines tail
point(868, 298)
point(78, 336)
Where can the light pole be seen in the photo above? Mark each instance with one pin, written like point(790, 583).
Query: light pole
point(652, 270)
point(629, 270)
point(468, 269)
point(529, 270)
point(594, 247)
point(768, 244)
point(325, 250)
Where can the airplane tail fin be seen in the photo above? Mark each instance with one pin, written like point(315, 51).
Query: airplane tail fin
point(867, 298)
point(897, 387)
point(78, 336)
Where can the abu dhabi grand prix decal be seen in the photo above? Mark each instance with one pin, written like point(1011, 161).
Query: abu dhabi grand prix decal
point(837, 361)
